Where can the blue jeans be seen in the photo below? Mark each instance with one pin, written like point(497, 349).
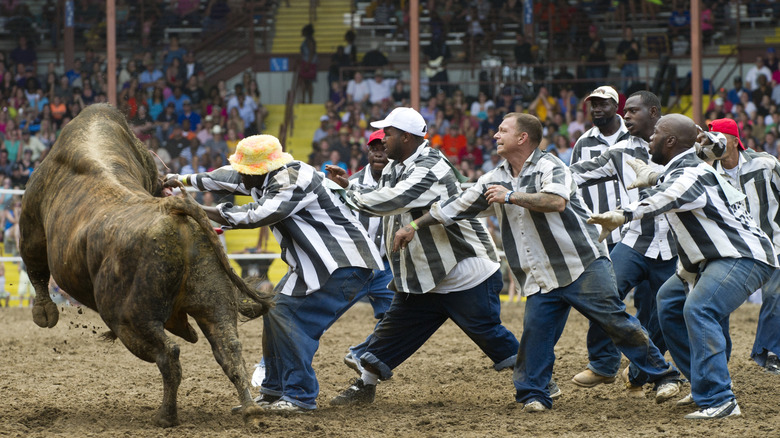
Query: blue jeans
point(631, 270)
point(768, 331)
point(380, 298)
point(594, 294)
point(292, 331)
point(413, 318)
point(692, 324)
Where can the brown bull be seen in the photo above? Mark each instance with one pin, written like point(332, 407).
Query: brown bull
point(93, 219)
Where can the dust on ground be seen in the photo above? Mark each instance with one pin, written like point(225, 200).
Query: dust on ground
point(66, 382)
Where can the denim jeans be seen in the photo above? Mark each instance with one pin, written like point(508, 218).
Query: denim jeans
point(594, 294)
point(413, 318)
point(380, 298)
point(768, 331)
point(692, 323)
point(292, 331)
point(631, 270)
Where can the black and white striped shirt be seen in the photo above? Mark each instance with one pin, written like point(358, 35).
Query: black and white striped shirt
point(545, 251)
point(650, 236)
point(405, 192)
point(759, 180)
point(706, 225)
point(372, 224)
point(607, 195)
point(315, 229)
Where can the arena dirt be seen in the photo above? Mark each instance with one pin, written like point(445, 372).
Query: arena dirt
point(66, 382)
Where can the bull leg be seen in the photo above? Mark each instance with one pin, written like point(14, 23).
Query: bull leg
point(223, 337)
point(149, 342)
point(33, 251)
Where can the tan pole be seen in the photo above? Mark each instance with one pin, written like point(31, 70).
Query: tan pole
point(111, 50)
point(414, 51)
point(696, 71)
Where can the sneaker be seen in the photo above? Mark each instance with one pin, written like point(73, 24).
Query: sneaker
point(728, 409)
point(553, 389)
point(357, 393)
point(534, 406)
point(284, 407)
point(772, 364)
point(262, 400)
point(686, 401)
point(631, 389)
point(259, 374)
point(352, 362)
point(589, 379)
point(667, 390)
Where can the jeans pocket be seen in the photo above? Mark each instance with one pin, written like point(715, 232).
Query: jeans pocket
point(353, 284)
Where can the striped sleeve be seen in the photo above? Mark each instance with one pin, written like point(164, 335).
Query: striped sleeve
point(283, 197)
point(414, 191)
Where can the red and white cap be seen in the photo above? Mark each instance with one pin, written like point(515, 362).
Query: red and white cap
point(376, 135)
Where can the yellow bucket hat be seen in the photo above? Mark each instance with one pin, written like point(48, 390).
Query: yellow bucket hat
point(258, 155)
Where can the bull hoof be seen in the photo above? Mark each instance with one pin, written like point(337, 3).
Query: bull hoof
point(163, 420)
point(46, 314)
point(252, 416)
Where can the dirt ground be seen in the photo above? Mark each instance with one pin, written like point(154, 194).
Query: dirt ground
point(67, 382)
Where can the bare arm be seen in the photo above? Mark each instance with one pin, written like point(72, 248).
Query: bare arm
point(541, 202)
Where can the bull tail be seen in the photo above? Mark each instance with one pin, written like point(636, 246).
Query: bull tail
point(252, 303)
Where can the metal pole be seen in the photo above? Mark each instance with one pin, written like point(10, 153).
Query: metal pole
point(696, 71)
point(111, 50)
point(414, 51)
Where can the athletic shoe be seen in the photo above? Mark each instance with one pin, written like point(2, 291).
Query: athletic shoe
point(259, 374)
point(357, 393)
point(285, 407)
point(553, 389)
point(631, 389)
point(667, 390)
point(686, 401)
point(352, 362)
point(589, 379)
point(772, 364)
point(262, 400)
point(728, 409)
point(534, 406)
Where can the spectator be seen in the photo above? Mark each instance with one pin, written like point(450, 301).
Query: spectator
point(322, 131)
point(595, 56)
point(176, 144)
point(217, 144)
point(453, 143)
point(190, 114)
point(149, 76)
point(24, 54)
point(680, 21)
point(216, 14)
point(173, 51)
point(544, 106)
point(358, 90)
point(480, 106)
point(430, 111)
point(379, 87)
point(177, 98)
point(771, 61)
point(307, 72)
point(751, 78)
point(246, 108)
point(31, 143)
point(334, 160)
point(735, 92)
point(189, 66)
point(628, 55)
point(437, 54)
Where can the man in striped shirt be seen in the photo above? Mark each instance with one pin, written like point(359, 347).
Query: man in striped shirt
point(757, 175)
point(377, 291)
point(723, 256)
point(608, 129)
point(645, 252)
point(329, 254)
point(446, 272)
point(554, 254)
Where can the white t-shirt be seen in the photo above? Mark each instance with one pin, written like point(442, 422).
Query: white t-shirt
point(358, 91)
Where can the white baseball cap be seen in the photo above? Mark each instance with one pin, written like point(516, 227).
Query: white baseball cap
point(405, 119)
point(604, 92)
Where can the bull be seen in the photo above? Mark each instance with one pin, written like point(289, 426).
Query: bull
point(93, 218)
